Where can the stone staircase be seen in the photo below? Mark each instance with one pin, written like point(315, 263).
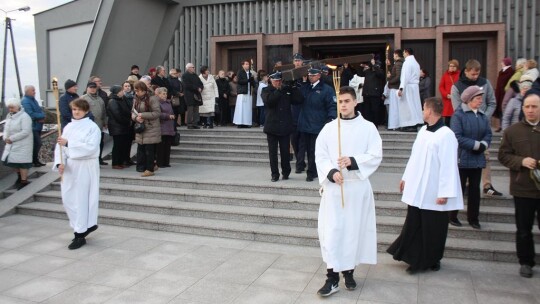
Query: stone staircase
point(248, 147)
point(240, 202)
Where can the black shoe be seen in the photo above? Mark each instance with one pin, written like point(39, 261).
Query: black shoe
point(38, 164)
point(129, 163)
point(210, 126)
point(90, 230)
point(491, 191)
point(140, 170)
point(475, 225)
point(350, 283)
point(77, 243)
point(330, 287)
point(309, 179)
point(22, 184)
point(455, 222)
point(103, 163)
point(436, 266)
point(285, 177)
point(298, 171)
point(193, 127)
point(526, 271)
point(275, 178)
point(410, 270)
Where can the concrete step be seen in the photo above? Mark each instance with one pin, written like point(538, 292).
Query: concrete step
point(455, 247)
point(304, 190)
point(390, 215)
point(386, 165)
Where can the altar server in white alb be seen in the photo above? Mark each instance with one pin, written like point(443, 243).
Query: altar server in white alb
point(347, 234)
point(430, 187)
point(80, 171)
point(410, 106)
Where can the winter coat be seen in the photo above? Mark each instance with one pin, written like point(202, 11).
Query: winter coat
point(515, 77)
point(150, 110)
point(512, 111)
point(502, 80)
point(319, 107)
point(167, 124)
point(488, 99)
point(162, 82)
point(103, 96)
point(424, 87)
point(192, 83)
point(223, 87)
point(119, 115)
point(32, 108)
point(373, 82)
point(519, 141)
point(395, 74)
point(470, 130)
point(18, 129)
point(65, 110)
point(244, 82)
point(98, 109)
point(233, 93)
point(209, 94)
point(445, 88)
point(534, 73)
point(277, 105)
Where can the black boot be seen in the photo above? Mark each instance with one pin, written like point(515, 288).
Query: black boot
point(18, 181)
point(331, 285)
point(78, 241)
point(90, 230)
point(350, 283)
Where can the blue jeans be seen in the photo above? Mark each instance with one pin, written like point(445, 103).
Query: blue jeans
point(37, 146)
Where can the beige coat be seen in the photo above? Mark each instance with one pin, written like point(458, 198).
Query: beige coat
point(152, 131)
point(209, 95)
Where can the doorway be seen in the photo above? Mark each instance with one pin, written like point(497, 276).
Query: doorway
point(465, 50)
point(236, 56)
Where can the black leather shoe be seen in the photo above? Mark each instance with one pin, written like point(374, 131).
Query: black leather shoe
point(436, 266)
point(90, 230)
point(411, 270)
point(77, 243)
point(285, 177)
point(103, 163)
point(275, 179)
point(476, 225)
point(298, 171)
point(309, 179)
point(456, 223)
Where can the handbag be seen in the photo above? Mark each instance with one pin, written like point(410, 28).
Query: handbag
point(176, 139)
point(198, 98)
point(535, 176)
point(175, 101)
point(139, 127)
point(217, 110)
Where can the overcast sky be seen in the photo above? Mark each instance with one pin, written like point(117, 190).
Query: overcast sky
point(25, 42)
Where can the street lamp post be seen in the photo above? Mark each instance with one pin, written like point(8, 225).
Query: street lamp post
point(9, 27)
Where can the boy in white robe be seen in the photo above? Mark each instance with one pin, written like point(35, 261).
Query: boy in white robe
point(80, 171)
point(430, 187)
point(347, 234)
point(410, 105)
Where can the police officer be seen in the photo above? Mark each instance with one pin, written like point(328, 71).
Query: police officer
point(298, 144)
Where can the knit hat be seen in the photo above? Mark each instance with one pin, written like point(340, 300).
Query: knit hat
point(91, 85)
point(507, 61)
point(115, 89)
point(471, 92)
point(69, 84)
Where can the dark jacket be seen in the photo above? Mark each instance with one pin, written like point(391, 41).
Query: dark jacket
point(244, 81)
point(162, 82)
point(119, 114)
point(32, 108)
point(65, 110)
point(192, 83)
point(502, 80)
point(395, 74)
point(424, 86)
point(223, 87)
point(470, 130)
point(346, 77)
point(167, 124)
point(277, 105)
point(373, 82)
point(519, 141)
point(103, 96)
point(319, 107)
point(176, 86)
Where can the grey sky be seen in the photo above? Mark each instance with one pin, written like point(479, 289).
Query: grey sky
point(25, 42)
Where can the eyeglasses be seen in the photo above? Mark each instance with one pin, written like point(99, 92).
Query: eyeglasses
point(452, 66)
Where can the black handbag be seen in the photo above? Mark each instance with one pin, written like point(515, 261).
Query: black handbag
point(139, 127)
point(176, 139)
point(198, 98)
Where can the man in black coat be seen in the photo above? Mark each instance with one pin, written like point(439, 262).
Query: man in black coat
point(372, 108)
point(161, 80)
point(278, 124)
point(193, 87)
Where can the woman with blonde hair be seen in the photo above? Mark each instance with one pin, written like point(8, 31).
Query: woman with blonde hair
point(19, 141)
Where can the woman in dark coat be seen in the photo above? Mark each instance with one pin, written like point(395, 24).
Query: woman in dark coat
point(120, 127)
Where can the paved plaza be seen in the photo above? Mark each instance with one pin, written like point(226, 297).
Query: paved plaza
point(126, 265)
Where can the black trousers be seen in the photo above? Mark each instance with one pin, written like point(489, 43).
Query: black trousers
point(121, 149)
point(146, 155)
point(37, 146)
point(299, 148)
point(309, 141)
point(284, 145)
point(474, 176)
point(101, 144)
point(422, 239)
point(372, 109)
point(163, 154)
point(525, 215)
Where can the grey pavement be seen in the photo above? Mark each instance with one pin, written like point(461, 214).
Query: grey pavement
point(128, 265)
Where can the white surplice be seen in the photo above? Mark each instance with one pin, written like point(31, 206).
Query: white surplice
point(432, 171)
point(393, 109)
point(80, 183)
point(410, 106)
point(348, 235)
